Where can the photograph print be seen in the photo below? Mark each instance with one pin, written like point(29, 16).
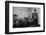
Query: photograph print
point(23, 17)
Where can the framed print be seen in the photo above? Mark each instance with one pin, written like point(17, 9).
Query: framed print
point(24, 17)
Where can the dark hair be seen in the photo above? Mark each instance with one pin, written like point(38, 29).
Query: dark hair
point(34, 10)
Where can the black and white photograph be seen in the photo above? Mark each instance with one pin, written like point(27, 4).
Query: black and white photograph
point(24, 17)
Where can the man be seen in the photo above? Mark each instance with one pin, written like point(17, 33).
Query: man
point(35, 18)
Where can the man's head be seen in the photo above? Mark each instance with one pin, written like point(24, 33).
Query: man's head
point(35, 10)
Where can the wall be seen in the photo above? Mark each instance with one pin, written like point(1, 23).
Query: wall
point(25, 11)
point(20, 11)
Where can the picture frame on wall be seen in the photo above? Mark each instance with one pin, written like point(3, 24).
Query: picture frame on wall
point(24, 17)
